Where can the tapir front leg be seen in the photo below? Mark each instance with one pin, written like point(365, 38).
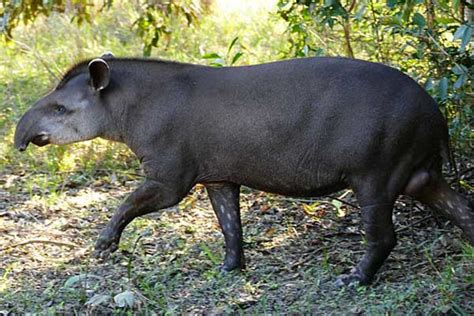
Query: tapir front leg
point(148, 197)
point(225, 202)
point(381, 239)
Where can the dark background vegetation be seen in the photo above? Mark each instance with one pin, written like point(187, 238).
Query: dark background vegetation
point(54, 200)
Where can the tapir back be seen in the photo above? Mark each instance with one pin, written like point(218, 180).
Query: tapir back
point(290, 127)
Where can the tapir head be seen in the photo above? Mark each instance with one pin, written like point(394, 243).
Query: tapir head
point(70, 113)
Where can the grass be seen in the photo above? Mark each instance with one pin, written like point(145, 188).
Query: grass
point(293, 260)
point(167, 262)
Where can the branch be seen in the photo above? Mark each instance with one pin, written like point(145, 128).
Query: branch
point(347, 37)
point(43, 241)
point(347, 32)
point(414, 223)
point(351, 7)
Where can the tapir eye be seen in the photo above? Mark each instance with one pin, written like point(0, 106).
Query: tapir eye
point(60, 109)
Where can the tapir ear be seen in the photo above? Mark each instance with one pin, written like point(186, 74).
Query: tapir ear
point(108, 55)
point(99, 72)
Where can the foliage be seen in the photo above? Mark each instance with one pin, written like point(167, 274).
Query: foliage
point(428, 41)
point(229, 58)
point(155, 18)
point(26, 11)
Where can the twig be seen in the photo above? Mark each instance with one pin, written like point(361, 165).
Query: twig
point(345, 202)
point(414, 223)
point(351, 7)
point(44, 241)
point(319, 201)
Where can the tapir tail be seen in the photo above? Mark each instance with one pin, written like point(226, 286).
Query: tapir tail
point(447, 156)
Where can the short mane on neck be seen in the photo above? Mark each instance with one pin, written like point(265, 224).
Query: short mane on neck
point(82, 66)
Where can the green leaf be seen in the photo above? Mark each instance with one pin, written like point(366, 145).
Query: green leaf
point(126, 298)
point(460, 31)
point(443, 89)
point(147, 50)
point(232, 44)
point(429, 84)
point(98, 299)
point(337, 204)
point(78, 278)
point(419, 20)
point(236, 57)
point(360, 13)
point(211, 56)
point(74, 279)
point(319, 52)
point(3, 22)
point(460, 82)
point(305, 50)
point(328, 3)
point(466, 38)
point(444, 20)
point(459, 70)
point(391, 3)
point(456, 4)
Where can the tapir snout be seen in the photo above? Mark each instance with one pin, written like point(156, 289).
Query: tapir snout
point(28, 131)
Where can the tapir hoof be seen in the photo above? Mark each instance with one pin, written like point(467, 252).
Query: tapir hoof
point(355, 277)
point(228, 266)
point(106, 244)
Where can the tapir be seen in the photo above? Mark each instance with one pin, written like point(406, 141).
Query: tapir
point(303, 128)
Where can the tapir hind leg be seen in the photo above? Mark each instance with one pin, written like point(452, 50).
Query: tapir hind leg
point(381, 239)
point(225, 202)
point(376, 211)
point(436, 193)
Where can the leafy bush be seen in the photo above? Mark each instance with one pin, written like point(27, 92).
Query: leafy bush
point(430, 42)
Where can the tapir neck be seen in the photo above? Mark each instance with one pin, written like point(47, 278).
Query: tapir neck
point(114, 130)
point(142, 99)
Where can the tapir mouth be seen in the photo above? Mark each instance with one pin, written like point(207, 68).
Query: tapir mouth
point(40, 140)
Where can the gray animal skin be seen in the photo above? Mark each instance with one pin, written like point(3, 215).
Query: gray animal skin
point(304, 128)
